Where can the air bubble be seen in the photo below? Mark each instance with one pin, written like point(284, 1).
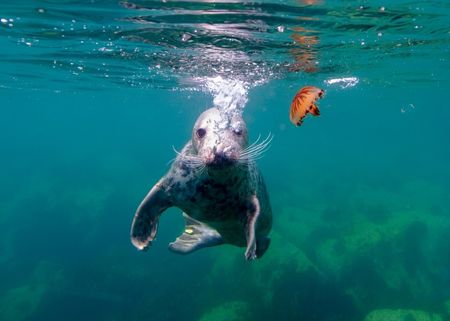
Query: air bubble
point(185, 37)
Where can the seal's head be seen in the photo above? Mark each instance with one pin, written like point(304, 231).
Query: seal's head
point(219, 138)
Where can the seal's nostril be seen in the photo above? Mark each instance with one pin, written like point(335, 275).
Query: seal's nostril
point(219, 155)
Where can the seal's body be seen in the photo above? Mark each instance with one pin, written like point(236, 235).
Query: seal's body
point(217, 185)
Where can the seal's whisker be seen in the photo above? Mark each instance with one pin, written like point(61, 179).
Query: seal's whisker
point(252, 144)
point(253, 157)
point(188, 159)
point(200, 169)
point(254, 148)
point(247, 159)
point(258, 149)
point(175, 150)
point(257, 157)
point(193, 163)
point(172, 160)
point(265, 142)
point(244, 163)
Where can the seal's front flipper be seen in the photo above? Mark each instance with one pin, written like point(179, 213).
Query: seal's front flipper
point(196, 235)
point(252, 218)
point(145, 222)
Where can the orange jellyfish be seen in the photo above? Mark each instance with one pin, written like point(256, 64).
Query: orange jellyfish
point(304, 102)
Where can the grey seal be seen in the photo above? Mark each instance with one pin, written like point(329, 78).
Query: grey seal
point(214, 180)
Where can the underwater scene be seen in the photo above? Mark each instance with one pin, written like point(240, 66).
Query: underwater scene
point(99, 97)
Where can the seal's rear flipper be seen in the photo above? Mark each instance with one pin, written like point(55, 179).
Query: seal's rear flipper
point(196, 235)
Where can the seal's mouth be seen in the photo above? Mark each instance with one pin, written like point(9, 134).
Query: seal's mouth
point(220, 160)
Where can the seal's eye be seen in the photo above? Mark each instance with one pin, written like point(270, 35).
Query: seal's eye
point(201, 132)
point(238, 131)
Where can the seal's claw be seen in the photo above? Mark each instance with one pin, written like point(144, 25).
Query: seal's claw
point(250, 253)
point(141, 245)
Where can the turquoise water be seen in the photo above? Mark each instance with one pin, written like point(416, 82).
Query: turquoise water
point(94, 94)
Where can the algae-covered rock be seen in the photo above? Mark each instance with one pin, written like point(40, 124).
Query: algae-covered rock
point(287, 284)
point(343, 254)
point(282, 258)
point(402, 315)
point(19, 303)
point(229, 311)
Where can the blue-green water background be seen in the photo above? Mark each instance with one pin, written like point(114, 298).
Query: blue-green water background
point(360, 195)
